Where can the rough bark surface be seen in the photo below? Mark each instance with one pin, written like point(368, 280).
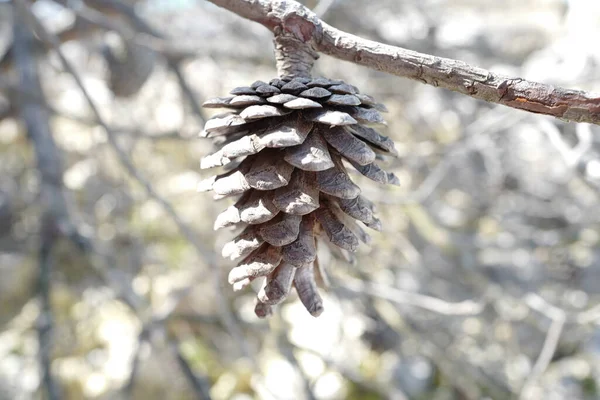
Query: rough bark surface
point(295, 19)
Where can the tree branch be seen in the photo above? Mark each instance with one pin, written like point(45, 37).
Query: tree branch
point(199, 383)
point(226, 313)
point(295, 19)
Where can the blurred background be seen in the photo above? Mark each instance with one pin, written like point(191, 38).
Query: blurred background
point(484, 284)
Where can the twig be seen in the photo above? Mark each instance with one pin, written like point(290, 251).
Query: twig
point(286, 350)
point(538, 303)
point(590, 316)
point(200, 384)
point(491, 122)
point(571, 156)
point(174, 63)
point(187, 91)
point(225, 311)
point(144, 35)
point(145, 39)
point(56, 221)
point(347, 373)
point(294, 19)
point(127, 389)
point(467, 307)
point(157, 321)
point(558, 318)
point(463, 375)
point(16, 91)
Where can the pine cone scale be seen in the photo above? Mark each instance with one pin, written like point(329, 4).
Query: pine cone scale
point(312, 155)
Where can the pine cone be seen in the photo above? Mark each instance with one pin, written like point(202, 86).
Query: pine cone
point(283, 145)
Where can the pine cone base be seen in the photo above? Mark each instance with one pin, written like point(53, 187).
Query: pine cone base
point(286, 146)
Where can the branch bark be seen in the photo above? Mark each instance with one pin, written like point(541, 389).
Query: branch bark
point(458, 76)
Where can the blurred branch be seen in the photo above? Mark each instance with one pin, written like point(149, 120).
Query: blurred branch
point(174, 62)
point(295, 20)
point(7, 59)
point(45, 324)
point(188, 92)
point(56, 217)
point(143, 37)
point(489, 123)
point(538, 303)
point(558, 317)
point(200, 384)
point(466, 377)
point(323, 7)
point(35, 113)
point(157, 321)
point(143, 34)
point(590, 316)
point(571, 156)
point(127, 389)
point(226, 313)
point(14, 90)
point(54, 214)
point(286, 349)
point(369, 385)
point(467, 307)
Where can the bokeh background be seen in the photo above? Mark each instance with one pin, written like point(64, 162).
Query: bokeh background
point(484, 284)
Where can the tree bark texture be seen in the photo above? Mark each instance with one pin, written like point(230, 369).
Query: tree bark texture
point(298, 21)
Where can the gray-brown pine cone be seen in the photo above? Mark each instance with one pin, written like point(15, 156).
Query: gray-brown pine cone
point(285, 146)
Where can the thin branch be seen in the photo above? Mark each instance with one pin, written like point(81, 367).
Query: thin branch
point(370, 385)
point(200, 384)
point(157, 321)
point(293, 18)
point(127, 389)
point(538, 303)
point(146, 39)
point(591, 316)
point(467, 307)
point(286, 350)
point(490, 123)
point(463, 375)
point(187, 91)
point(571, 156)
point(558, 318)
point(143, 26)
point(45, 323)
point(13, 91)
